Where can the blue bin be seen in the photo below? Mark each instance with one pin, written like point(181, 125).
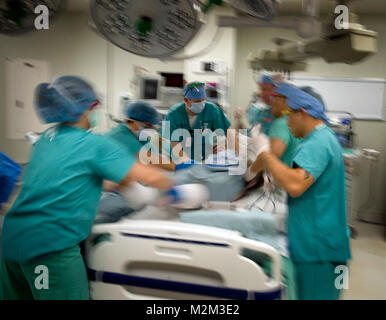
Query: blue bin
point(9, 174)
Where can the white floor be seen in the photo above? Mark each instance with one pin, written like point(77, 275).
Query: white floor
point(368, 266)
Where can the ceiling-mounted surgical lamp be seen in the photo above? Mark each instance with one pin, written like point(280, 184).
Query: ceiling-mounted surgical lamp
point(162, 28)
point(151, 28)
point(260, 9)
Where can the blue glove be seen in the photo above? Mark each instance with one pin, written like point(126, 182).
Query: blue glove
point(174, 194)
point(185, 165)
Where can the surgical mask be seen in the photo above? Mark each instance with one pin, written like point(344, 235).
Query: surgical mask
point(137, 133)
point(197, 107)
point(93, 119)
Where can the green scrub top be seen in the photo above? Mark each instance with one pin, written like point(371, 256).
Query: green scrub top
point(317, 223)
point(259, 115)
point(60, 193)
point(122, 135)
point(280, 130)
point(211, 118)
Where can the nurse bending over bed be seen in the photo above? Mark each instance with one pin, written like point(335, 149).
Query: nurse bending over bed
point(61, 188)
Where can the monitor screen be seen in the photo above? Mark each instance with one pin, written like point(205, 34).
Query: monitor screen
point(208, 66)
point(212, 93)
point(150, 91)
point(175, 80)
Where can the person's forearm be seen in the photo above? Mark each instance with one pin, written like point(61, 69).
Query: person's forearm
point(287, 178)
point(278, 148)
point(148, 175)
point(257, 166)
point(166, 163)
point(237, 146)
point(161, 161)
point(109, 186)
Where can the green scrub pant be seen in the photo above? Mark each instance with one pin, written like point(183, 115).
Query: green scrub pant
point(316, 281)
point(56, 276)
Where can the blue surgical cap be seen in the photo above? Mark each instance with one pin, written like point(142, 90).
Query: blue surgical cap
point(297, 99)
point(143, 111)
point(65, 99)
point(266, 78)
point(312, 92)
point(195, 92)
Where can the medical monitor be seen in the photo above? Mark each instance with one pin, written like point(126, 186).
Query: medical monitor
point(149, 88)
point(173, 80)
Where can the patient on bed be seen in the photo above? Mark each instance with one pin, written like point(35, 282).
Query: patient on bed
point(215, 173)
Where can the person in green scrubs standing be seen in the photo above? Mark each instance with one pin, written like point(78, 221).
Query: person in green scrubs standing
point(60, 193)
point(317, 223)
point(283, 143)
point(141, 116)
point(194, 116)
point(258, 112)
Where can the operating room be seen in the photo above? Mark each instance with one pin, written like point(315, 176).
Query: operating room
point(178, 226)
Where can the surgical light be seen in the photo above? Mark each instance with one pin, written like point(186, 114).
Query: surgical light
point(261, 9)
point(151, 28)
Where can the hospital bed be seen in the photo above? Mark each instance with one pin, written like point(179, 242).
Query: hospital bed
point(154, 259)
point(155, 254)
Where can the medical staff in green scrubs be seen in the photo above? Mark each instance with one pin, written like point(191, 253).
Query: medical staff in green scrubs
point(141, 117)
point(283, 143)
point(195, 115)
point(60, 193)
point(259, 112)
point(317, 223)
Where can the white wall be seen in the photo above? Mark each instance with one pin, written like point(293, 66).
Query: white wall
point(69, 46)
point(370, 134)
point(121, 70)
point(224, 50)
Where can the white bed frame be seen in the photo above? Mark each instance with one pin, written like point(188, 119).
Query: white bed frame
point(152, 259)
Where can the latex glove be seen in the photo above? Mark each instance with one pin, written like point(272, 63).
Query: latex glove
point(260, 141)
point(221, 144)
point(238, 113)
